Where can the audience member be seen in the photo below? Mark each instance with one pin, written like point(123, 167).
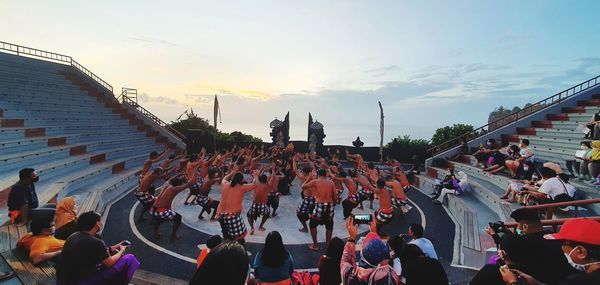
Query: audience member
point(459, 188)
point(497, 161)
point(273, 263)
point(397, 244)
point(65, 219)
point(415, 232)
point(523, 164)
point(373, 266)
point(485, 151)
point(420, 269)
point(553, 190)
point(40, 244)
point(329, 264)
point(227, 263)
point(23, 202)
point(583, 158)
point(580, 240)
point(86, 259)
point(574, 164)
point(594, 164)
point(211, 243)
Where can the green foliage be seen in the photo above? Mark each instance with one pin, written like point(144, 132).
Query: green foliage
point(450, 132)
point(403, 148)
point(194, 122)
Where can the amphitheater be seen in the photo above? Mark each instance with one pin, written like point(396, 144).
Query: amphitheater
point(87, 140)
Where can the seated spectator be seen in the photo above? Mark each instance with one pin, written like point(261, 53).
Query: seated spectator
point(459, 188)
point(40, 244)
point(329, 264)
point(484, 152)
point(397, 244)
point(463, 150)
point(583, 158)
point(594, 164)
point(497, 161)
point(574, 164)
point(534, 255)
point(373, 267)
point(86, 259)
point(211, 243)
point(571, 190)
point(415, 232)
point(523, 164)
point(65, 218)
point(273, 263)
point(553, 190)
point(227, 263)
point(23, 204)
point(450, 182)
point(594, 126)
point(521, 186)
point(420, 269)
point(580, 244)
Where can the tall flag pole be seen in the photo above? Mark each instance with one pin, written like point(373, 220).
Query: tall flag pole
point(217, 113)
point(381, 132)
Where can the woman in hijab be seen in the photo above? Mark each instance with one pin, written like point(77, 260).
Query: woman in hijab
point(65, 219)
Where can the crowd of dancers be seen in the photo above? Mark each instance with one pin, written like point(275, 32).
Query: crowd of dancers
point(323, 182)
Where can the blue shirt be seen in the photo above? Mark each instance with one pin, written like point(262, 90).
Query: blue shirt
point(272, 274)
point(20, 195)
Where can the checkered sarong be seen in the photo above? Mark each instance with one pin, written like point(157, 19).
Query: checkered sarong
point(366, 194)
point(203, 201)
point(397, 203)
point(233, 226)
point(273, 198)
point(306, 206)
point(384, 216)
point(354, 198)
point(163, 214)
point(145, 198)
point(322, 212)
point(195, 188)
point(258, 209)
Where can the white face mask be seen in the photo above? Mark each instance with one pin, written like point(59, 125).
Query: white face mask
point(584, 147)
point(580, 267)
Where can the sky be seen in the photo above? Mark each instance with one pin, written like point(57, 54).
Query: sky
point(430, 63)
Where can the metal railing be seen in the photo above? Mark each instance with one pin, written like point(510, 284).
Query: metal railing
point(553, 222)
point(515, 116)
point(57, 57)
point(575, 203)
point(65, 59)
point(133, 103)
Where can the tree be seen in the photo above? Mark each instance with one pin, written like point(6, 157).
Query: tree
point(450, 132)
point(403, 148)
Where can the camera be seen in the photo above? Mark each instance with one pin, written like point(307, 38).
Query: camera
point(498, 227)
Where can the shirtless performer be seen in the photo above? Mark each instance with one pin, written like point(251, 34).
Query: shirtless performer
point(152, 159)
point(230, 208)
point(365, 192)
point(400, 176)
point(385, 213)
point(161, 210)
point(357, 159)
point(372, 173)
point(353, 198)
point(325, 195)
point(145, 191)
point(259, 203)
point(197, 164)
point(273, 201)
point(308, 200)
point(203, 200)
point(399, 198)
point(334, 173)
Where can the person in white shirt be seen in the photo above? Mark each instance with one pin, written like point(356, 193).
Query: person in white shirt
point(519, 165)
point(415, 231)
point(551, 188)
point(463, 183)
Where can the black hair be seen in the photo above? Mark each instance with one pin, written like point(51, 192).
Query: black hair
point(417, 230)
point(237, 179)
point(274, 252)
point(306, 170)
point(211, 173)
point(516, 250)
point(564, 177)
point(370, 165)
point(587, 143)
point(227, 263)
point(213, 241)
point(88, 220)
point(411, 252)
point(524, 215)
point(172, 156)
point(335, 249)
point(397, 244)
point(493, 141)
point(153, 154)
point(343, 174)
point(193, 157)
point(262, 179)
point(352, 173)
point(515, 148)
point(176, 181)
point(525, 142)
point(38, 225)
point(547, 172)
point(380, 182)
point(25, 173)
point(322, 172)
point(157, 170)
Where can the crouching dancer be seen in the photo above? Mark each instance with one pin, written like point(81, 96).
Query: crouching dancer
point(161, 211)
point(230, 208)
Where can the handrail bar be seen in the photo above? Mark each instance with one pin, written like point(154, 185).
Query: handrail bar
point(517, 115)
point(564, 204)
point(154, 118)
point(553, 222)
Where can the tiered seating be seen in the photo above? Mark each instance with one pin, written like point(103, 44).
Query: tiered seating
point(78, 139)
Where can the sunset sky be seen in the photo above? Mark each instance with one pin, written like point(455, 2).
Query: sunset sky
point(430, 63)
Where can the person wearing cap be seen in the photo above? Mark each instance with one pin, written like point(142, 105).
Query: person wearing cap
point(373, 265)
point(581, 247)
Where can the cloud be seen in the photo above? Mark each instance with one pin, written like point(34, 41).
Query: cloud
point(145, 98)
point(381, 71)
point(153, 41)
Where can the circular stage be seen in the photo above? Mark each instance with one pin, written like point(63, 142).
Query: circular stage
point(285, 222)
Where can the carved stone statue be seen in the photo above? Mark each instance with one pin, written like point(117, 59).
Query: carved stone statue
point(312, 143)
point(280, 141)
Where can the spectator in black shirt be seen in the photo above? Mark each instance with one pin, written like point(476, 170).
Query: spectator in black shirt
point(86, 259)
point(420, 269)
point(23, 204)
point(580, 244)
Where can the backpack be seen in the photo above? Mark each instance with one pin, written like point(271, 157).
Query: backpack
point(301, 278)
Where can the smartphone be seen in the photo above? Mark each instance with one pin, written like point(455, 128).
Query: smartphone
point(125, 243)
point(362, 219)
